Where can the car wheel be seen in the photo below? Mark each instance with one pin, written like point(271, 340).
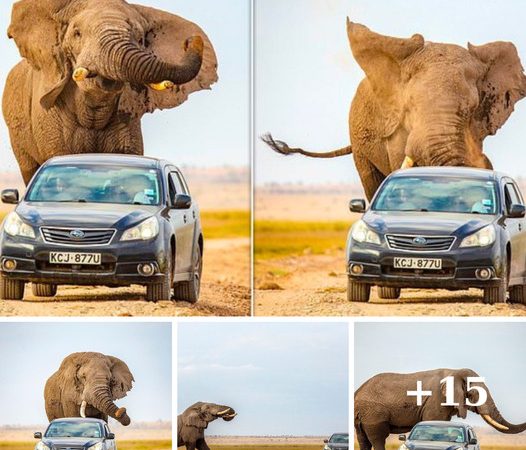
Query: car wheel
point(518, 294)
point(498, 294)
point(358, 292)
point(11, 289)
point(389, 292)
point(188, 291)
point(43, 289)
point(161, 291)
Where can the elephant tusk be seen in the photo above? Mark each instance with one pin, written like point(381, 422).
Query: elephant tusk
point(83, 409)
point(223, 412)
point(494, 423)
point(162, 86)
point(80, 74)
point(408, 163)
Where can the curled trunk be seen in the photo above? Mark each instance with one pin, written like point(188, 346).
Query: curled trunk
point(125, 60)
point(100, 397)
point(496, 419)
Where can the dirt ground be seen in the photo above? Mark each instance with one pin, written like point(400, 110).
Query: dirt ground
point(315, 285)
point(225, 291)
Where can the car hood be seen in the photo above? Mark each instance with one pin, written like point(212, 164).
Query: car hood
point(426, 223)
point(433, 445)
point(84, 215)
point(71, 442)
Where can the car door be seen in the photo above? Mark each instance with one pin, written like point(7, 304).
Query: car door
point(183, 222)
point(517, 230)
point(471, 436)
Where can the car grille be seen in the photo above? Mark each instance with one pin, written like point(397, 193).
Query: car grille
point(420, 243)
point(86, 236)
point(76, 268)
point(446, 272)
point(69, 447)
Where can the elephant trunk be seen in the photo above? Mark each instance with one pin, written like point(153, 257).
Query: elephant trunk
point(493, 417)
point(126, 61)
point(100, 397)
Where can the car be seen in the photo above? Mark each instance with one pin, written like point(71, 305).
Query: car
point(103, 219)
point(337, 441)
point(438, 435)
point(76, 433)
point(440, 227)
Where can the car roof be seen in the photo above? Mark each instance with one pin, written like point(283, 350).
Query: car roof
point(449, 171)
point(79, 420)
point(343, 432)
point(445, 423)
point(109, 158)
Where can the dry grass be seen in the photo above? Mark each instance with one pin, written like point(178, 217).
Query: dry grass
point(280, 238)
point(265, 447)
point(123, 445)
point(225, 224)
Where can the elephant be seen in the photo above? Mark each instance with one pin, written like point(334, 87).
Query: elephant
point(86, 385)
point(423, 103)
point(192, 423)
point(91, 69)
point(382, 405)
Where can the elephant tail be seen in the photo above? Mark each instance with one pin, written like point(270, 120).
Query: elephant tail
point(283, 148)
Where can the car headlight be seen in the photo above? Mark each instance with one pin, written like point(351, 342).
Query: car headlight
point(97, 446)
point(482, 238)
point(14, 226)
point(41, 446)
point(360, 232)
point(144, 231)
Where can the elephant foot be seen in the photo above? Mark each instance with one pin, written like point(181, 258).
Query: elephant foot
point(120, 412)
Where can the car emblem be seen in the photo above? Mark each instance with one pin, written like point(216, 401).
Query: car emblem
point(420, 240)
point(77, 234)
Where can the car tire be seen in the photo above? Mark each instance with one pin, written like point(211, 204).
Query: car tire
point(498, 294)
point(156, 292)
point(11, 289)
point(390, 293)
point(358, 292)
point(188, 291)
point(43, 289)
point(518, 294)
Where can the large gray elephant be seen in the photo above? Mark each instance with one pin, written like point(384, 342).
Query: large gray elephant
point(424, 103)
point(86, 385)
point(91, 70)
point(192, 423)
point(382, 405)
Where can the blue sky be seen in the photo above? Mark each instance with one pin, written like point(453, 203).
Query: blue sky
point(211, 127)
point(32, 352)
point(306, 76)
point(282, 378)
point(495, 350)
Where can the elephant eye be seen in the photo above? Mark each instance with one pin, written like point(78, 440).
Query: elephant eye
point(76, 33)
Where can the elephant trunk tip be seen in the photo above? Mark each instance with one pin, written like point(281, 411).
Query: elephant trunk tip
point(195, 44)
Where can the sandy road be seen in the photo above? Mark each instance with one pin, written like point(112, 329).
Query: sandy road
point(315, 285)
point(225, 292)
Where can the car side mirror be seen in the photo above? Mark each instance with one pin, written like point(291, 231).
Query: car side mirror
point(357, 205)
point(473, 441)
point(10, 196)
point(517, 211)
point(325, 441)
point(111, 436)
point(38, 435)
point(182, 201)
point(402, 437)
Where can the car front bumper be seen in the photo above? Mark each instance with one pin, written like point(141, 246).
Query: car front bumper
point(458, 267)
point(119, 262)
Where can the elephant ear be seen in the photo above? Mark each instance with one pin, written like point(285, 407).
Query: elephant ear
point(502, 85)
point(122, 378)
point(38, 37)
point(381, 58)
point(460, 385)
point(193, 418)
point(166, 38)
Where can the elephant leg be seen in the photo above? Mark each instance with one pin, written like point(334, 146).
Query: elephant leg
point(370, 176)
point(377, 434)
point(202, 445)
point(190, 446)
point(362, 439)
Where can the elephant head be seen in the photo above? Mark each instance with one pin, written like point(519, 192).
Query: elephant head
point(440, 100)
point(89, 383)
point(488, 410)
point(200, 414)
point(107, 47)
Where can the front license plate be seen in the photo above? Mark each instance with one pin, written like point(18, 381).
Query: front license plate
point(93, 259)
point(418, 263)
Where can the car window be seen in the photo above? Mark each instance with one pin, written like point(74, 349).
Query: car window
point(438, 433)
point(176, 181)
point(182, 182)
point(92, 183)
point(339, 439)
point(512, 196)
point(74, 429)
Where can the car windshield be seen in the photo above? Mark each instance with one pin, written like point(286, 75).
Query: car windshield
point(437, 194)
point(96, 184)
point(339, 439)
point(74, 429)
point(438, 433)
